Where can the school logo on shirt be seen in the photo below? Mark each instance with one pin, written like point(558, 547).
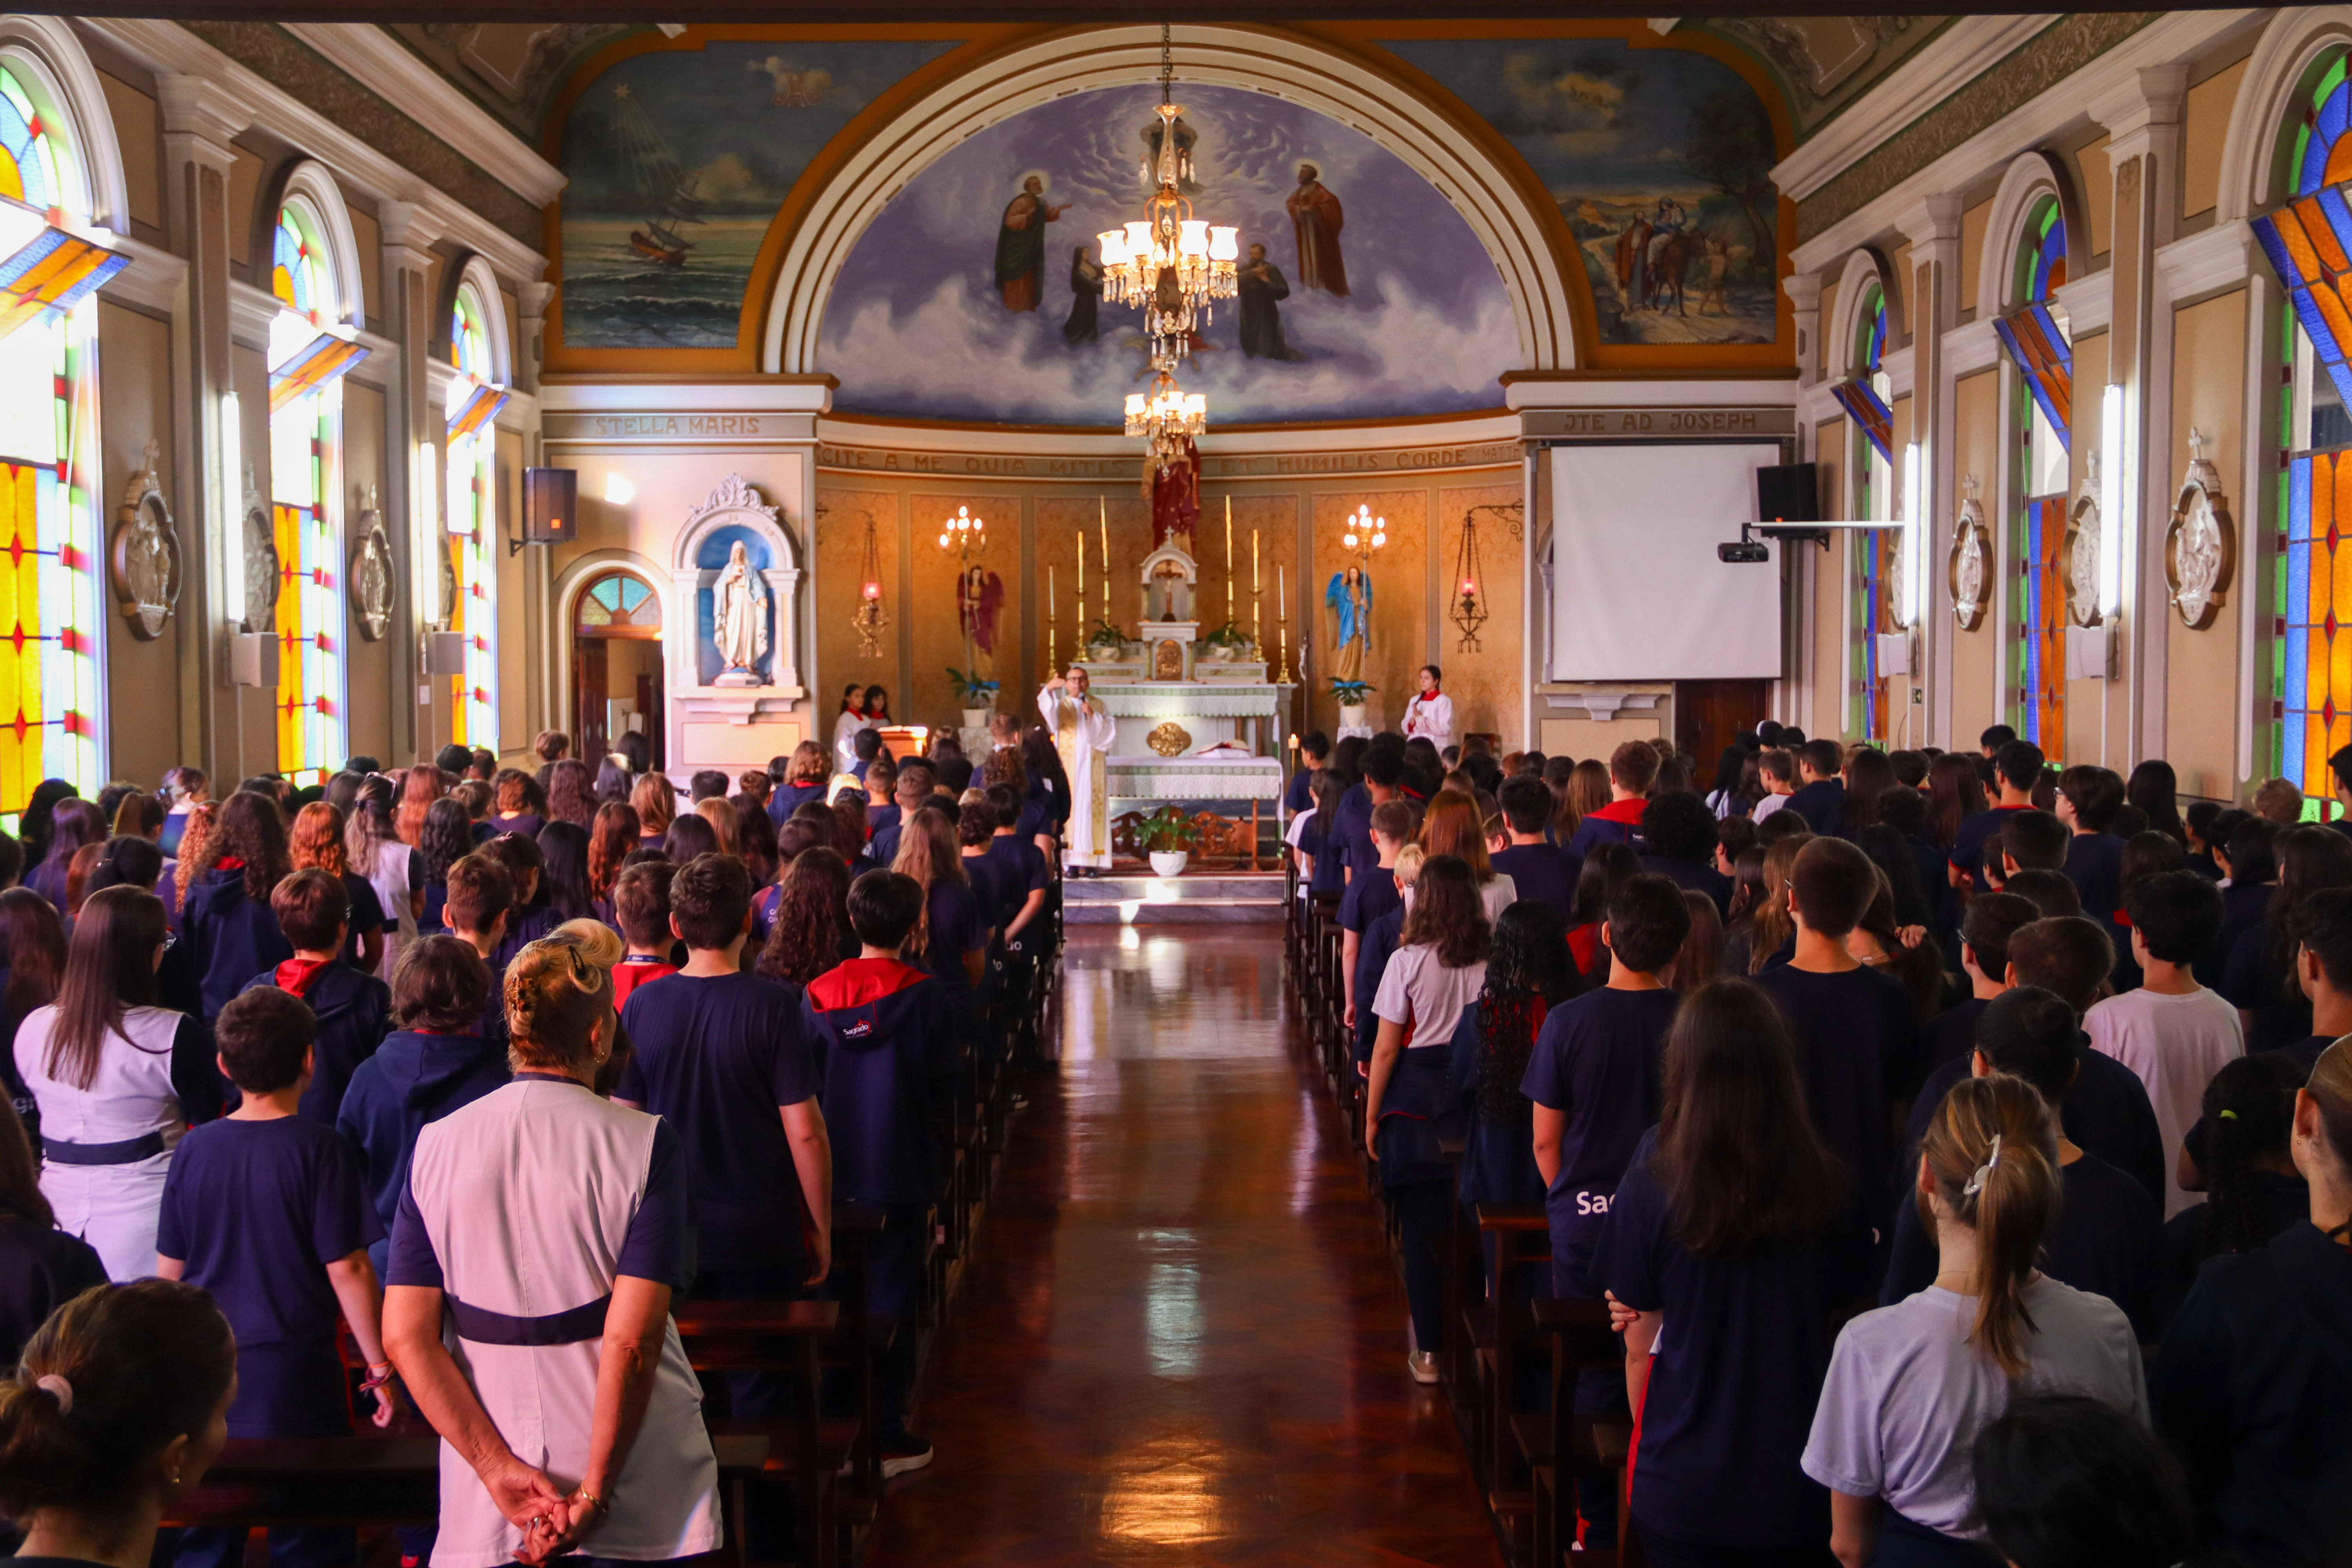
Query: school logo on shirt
point(857, 1031)
point(1590, 1202)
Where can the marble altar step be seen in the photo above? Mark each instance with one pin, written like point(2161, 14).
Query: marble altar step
point(1195, 899)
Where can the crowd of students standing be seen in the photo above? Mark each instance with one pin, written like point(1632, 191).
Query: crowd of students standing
point(1961, 1144)
point(298, 1077)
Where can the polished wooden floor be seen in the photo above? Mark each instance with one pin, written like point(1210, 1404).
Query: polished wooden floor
point(1182, 1341)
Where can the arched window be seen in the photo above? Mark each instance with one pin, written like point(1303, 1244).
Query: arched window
point(309, 350)
point(474, 401)
point(618, 604)
point(52, 713)
point(2036, 336)
point(2306, 240)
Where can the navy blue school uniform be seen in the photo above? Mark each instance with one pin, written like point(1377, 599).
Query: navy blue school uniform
point(2280, 1200)
point(1693, 878)
point(2109, 1240)
point(1543, 872)
point(2107, 1112)
point(1952, 1035)
point(882, 844)
point(1822, 806)
point(789, 798)
point(366, 912)
point(958, 924)
point(988, 889)
point(1321, 840)
point(2095, 864)
point(878, 817)
point(354, 1013)
point(435, 919)
point(2253, 1392)
point(49, 879)
point(1596, 1062)
point(2254, 981)
point(1860, 1049)
point(1371, 893)
point(883, 1041)
point(2203, 864)
point(1349, 833)
point(1379, 944)
point(1616, 823)
point(41, 1268)
point(412, 1079)
point(1020, 870)
point(524, 926)
point(1498, 1158)
point(525, 822)
point(1736, 1374)
point(2243, 907)
point(1299, 794)
point(256, 1210)
point(1968, 839)
point(717, 1059)
point(2303, 1053)
point(233, 938)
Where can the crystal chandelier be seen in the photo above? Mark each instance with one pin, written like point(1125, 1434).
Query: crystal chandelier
point(1167, 421)
point(1365, 533)
point(1169, 262)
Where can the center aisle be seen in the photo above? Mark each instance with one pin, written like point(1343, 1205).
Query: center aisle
point(1182, 1340)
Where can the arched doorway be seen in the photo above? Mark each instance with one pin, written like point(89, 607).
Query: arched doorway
point(616, 665)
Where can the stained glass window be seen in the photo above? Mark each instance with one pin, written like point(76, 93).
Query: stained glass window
point(618, 605)
point(474, 401)
point(2036, 337)
point(51, 712)
point(305, 451)
point(1868, 395)
point(2311, 645)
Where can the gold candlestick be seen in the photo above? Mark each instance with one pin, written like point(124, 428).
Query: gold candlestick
point(1282, 618)
point(1229, 561)
point(1052, 656)
point(1103, 521)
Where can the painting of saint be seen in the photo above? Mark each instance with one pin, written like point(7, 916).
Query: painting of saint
point(1315, 219)
point(1084, 323)
point(1262, 284)
point(1020, 245)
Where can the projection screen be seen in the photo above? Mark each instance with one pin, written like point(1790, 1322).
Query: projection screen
point(1637, 592)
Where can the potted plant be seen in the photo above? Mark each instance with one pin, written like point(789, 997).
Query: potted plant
point(1227, 643)
point(1105, 641)
point(1167, 836)
point(1350, 694)
point(977, 697)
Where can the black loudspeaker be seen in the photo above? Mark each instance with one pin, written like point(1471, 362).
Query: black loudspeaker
point(550, 499)
point(1787, 492)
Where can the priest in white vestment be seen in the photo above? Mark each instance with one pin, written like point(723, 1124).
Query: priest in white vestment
point(1083, 733)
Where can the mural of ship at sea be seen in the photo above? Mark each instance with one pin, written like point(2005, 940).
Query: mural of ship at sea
point(976, 293)
point(1661, 161)
point(679, 160)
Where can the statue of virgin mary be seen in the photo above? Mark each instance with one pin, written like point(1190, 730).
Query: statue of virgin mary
point(738, 621)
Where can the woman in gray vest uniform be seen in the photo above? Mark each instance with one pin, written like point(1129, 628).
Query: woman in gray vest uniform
point(545, 1228)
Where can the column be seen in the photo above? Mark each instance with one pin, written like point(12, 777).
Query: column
point(198, 118)
point(1932, 298)
point(1793, 694)
point(2143, 124)
point(421, 721)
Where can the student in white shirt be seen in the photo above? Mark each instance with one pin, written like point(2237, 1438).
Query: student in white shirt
point(1778, 770)
point(1910, 1385)
point(2171, 1031)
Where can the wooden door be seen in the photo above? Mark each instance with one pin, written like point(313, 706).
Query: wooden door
point(590, 693)
point(1709, 713)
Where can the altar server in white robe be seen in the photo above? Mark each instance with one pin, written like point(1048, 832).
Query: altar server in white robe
point(1429, 714)
point(1083, 733)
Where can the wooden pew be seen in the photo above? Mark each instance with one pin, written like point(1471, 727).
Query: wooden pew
point(1561, 1445)
point(777, 1336)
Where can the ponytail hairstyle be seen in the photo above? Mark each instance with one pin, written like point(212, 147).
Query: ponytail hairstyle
point(141, 1365)
point(368, 825)
point(194, 839)
point(1992, 1153)
point(110, 969)
point(2249, 1118)
point(1527, 973)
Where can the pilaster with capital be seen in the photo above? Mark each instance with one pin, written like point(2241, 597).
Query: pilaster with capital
point(1933, 294)
point(415, 475)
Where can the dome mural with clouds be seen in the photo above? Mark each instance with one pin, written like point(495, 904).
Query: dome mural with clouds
point(968, 298)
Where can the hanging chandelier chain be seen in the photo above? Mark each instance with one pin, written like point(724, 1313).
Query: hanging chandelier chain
point(1167, 64)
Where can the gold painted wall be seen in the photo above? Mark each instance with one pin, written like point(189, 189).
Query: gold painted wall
point(1060, 516)
point(2205, 126)
point(1976, 656)
point(1484, 683)
point(2201, 695)
point(134, 381)
point(938, 630)
point(1399, 579)
point(841, 520)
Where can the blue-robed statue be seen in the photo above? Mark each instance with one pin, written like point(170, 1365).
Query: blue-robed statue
point(1350, 599)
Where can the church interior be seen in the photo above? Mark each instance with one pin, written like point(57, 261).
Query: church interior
point(1751, 411)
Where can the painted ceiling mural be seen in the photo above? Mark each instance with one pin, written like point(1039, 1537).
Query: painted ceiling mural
point(1660, 162)
point(974, 294)
point(679, 160)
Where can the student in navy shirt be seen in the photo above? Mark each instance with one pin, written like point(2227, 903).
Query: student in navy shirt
point(724, 1058)
point(1369, 897)
point(316, 843)
point(1594, 1075)
point(266, 1210)
point(886, 1049)
point(2245, 1164)
point(1991, 920)
point(1819, 797)
point(1348, 834)
point(227, 918)
point(531, 915)
point(2109, 1237)
point(352, 1010)
point(950, 940)
point(975, 826)
point(41, 1266)
point(912, 790)
point(1737, 1223)
point(2106, 1111)
point(1373, 950)
point(1855, 1024)
point(2088, 799)
point(803, 780)
point(1528, 974)
point(2017, 768)
point(2246, 858)
point(1679, 833)
point(1314, 756)
point(433, 1062)
point(1537, 869)
point(1632, 768)
point(1020, 866)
